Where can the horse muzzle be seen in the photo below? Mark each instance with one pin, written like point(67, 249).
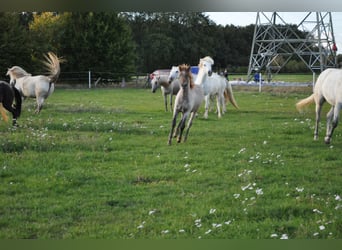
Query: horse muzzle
point(210, 72)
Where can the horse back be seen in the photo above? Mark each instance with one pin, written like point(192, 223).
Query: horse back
point(31, 86)
point(329, 85)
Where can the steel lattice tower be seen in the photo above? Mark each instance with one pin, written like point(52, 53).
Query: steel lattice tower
point(275, 42)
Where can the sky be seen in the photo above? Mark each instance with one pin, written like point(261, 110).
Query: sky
point(246, 18)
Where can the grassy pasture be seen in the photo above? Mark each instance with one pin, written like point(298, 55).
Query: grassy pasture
point(95, 164)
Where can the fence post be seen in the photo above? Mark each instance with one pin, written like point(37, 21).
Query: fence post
point(313, 80)
point(89, 78)
point(260, 80)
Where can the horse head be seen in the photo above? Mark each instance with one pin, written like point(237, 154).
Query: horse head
point(174, 73)
point(206, 64)
point(16, 72)
point(185, 77)
point(155, 83)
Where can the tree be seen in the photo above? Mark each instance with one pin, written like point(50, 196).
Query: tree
point(14, 43)
point(99, 42)
point(46, 34)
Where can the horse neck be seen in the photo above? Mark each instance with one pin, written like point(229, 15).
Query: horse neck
point(201, 76)
point(164, 83)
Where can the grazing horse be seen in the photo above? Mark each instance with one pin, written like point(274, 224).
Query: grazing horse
point(328, 88)
point(8, 94)
point(188, 101)
point(39, 87)
point(214, 85)
point(167, 88)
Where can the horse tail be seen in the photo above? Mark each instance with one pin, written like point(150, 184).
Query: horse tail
point(304, 102)
point(228, 94)
point(52, 64)
point(3, 112)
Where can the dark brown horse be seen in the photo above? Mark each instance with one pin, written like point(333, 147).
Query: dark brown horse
point(8, 94)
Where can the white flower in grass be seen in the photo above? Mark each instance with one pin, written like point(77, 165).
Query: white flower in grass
point(245, 187)
point(198, 223)
point(208, 232)
point(299, 189)
point(242, 150)
point(315, 234)
point(181, 231)
point(321, 227)
point(228, 222)
point(274, 235)
point(337, 198)
point(236, 196)
point(212, 211)
point(216, 225)
point(152, 212)
point(284, 237)
point(317, 211)
point(259, 191)
point(141, 225)
point(187, 165)
point(165, 231)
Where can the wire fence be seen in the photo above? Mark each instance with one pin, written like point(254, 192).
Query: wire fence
point(93, 79)
point(90, 79)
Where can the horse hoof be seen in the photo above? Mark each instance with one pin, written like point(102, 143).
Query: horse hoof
point(327, 140)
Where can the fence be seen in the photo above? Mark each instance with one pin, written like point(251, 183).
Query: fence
point(90, 79)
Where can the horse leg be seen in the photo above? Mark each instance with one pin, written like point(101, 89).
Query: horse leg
point(173, 124)
point(40, 101)
point(319, 105)
point(192, 116)
point(218, 104)
point(3, 113)
point(165, 101)
point(10, 109)
point(207, 104)
point(334, 115)
point(171, 101)
point(177, 132)
point(181, 127)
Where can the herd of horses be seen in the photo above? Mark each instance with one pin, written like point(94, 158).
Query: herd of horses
point(191, 89)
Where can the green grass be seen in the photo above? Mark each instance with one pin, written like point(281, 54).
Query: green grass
point(96, 164)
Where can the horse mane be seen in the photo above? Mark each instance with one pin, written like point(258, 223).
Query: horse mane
point(207, 59)
point(186, 68)
point(17, 72)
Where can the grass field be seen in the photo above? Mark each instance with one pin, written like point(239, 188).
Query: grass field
point(95, 164)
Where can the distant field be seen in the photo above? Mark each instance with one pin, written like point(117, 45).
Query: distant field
point(95, 165)
point(302, 78)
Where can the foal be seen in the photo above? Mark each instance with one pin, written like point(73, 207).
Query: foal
point(188, 100)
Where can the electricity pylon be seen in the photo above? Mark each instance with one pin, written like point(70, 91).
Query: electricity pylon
point(275, 42)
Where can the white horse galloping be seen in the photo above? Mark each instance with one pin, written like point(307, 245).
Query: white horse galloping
point(167, 88)
point(40, 86)
point(328, 88)
point(214, 85)
point(188, 101)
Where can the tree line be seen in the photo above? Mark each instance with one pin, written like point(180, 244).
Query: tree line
point(123, 42)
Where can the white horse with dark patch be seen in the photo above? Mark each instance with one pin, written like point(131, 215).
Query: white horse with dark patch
point(188, 101)
point(40, 86)
point(328, 88)
point(167, 88)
